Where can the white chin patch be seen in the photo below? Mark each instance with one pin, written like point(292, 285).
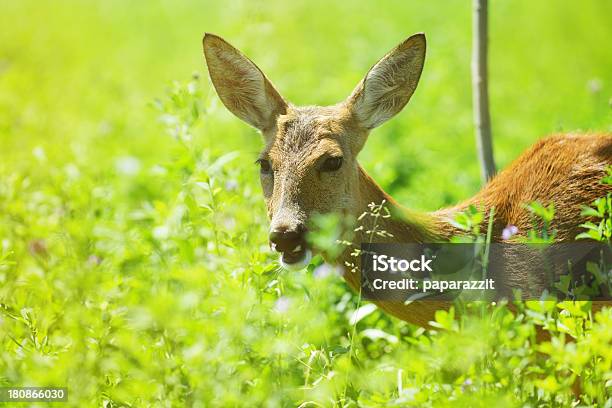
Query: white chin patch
point(299, 265)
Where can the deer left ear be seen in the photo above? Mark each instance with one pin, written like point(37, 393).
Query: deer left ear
point(388, 85)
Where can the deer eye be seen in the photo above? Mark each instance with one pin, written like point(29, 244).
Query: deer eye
point(264, 166)
point(332, 164)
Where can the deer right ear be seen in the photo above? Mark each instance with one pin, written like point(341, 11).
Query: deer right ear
point(243, 88)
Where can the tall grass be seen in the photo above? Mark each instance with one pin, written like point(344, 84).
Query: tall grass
point(133, 261)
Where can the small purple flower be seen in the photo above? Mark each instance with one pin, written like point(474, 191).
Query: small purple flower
point(231, 185)
point(324, 270)
point(509, 231)
point(282, 304)
point(94, 260)
point(594, 85)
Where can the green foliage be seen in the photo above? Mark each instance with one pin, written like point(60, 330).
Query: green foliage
point(330, 234)
point(542, 231)
point(134, 267)
point(600, 210)
point(469, 221)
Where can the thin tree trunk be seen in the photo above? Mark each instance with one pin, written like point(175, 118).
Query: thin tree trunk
point(480, 92)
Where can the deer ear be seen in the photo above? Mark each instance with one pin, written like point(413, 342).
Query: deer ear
point(241, 85)
point(389, 84)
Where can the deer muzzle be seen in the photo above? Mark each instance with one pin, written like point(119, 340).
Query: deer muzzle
point(291, 244)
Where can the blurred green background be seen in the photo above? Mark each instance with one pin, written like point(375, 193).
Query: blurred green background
point(134, 266)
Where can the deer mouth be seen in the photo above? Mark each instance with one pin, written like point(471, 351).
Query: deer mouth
point(296, 259)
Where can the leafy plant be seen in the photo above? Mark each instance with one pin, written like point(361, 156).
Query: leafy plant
point(601, 211)
point(134, 267)
point(542, 231)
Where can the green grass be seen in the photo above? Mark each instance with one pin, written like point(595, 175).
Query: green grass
point(134, 268)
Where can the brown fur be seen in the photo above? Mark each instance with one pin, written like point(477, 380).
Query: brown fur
point(564, 169)
point(570, 181)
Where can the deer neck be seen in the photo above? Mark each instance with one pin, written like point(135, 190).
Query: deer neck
point(402, 224)
point(399, 224)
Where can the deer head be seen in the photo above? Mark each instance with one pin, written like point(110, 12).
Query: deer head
point(309, 162)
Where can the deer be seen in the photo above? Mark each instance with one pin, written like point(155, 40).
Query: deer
point(309, 163)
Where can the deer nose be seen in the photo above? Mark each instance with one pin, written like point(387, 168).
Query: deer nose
point(284, 239)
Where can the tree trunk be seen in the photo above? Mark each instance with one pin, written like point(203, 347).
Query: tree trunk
point(480, 92)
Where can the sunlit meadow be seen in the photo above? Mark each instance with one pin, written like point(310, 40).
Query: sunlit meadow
point(134, 266)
